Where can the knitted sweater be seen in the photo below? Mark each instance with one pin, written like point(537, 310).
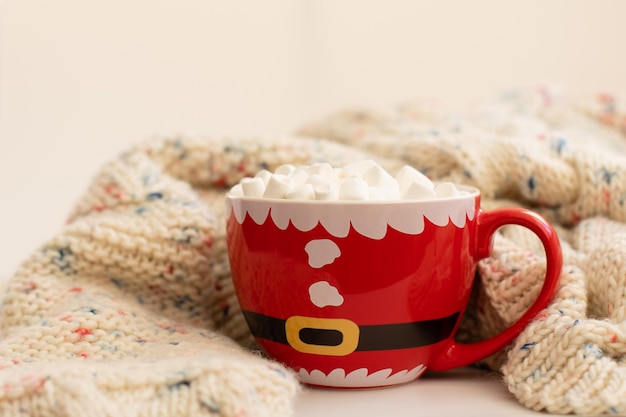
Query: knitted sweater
point(130, 309)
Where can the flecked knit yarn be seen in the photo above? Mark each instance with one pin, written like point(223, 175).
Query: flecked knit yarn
point(564, 157)
point(130, 309)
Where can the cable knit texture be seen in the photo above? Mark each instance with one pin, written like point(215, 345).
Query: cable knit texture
point(130, 309)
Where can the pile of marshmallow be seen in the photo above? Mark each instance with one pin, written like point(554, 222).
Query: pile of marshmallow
point(362, 180)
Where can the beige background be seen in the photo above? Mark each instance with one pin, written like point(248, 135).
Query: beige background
point(80, 80)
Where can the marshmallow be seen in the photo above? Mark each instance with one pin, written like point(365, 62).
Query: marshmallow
point(300, 175)
point(417, 191)
point(277, 186)
point(382, 185)
point(265, 175)
point(237, 191)
point(376, 176)
point(384, 193)
point(409, 175)
point(323, 169)
point(316, 180)
point(360, 181)
point(252, 187)
point(285, 169)
point(353, 188)
point(301, 192)
point(446, 189)
point(326, 192)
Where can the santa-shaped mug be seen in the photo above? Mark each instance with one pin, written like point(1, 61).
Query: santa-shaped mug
point(355, 294)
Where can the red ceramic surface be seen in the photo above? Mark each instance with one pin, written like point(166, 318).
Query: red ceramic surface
point(369, 294)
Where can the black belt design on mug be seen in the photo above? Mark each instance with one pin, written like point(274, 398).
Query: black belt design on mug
point(340, 337)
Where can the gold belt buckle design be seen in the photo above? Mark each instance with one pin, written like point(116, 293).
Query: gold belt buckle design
point(348, 329)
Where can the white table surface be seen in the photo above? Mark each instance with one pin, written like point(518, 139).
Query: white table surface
point(463, 392)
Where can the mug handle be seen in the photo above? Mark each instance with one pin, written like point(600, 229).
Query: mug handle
point(462, 354)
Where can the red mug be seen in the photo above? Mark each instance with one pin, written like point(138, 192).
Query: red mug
point(369, 294)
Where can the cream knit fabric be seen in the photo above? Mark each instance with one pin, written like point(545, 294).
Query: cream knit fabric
point(130, 310)
point(126, 311)
point(565, 158)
